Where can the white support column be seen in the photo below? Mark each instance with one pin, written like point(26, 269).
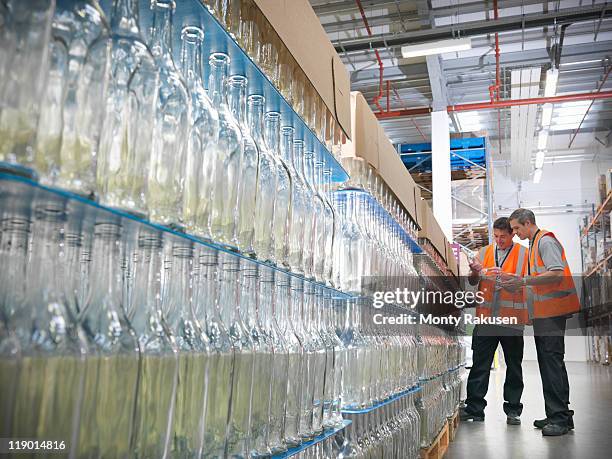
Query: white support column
point(441, 172)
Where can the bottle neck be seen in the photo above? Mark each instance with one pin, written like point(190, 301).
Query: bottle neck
point(309, 168)
point(282, 305)
point(161, 39)
point(107, 279)
point(124, 19)
point(236, 101)
point(13, 256)
point(177, 304)
point(218, 74)
point(287, 145)
point(266, 301)
point(191, 61)
point(227, 300)
point(207, 285)
point(248, 296)
point(298, 158)
point(272, 134)
point(47, 252)
point(255, 119)
point(144, 306)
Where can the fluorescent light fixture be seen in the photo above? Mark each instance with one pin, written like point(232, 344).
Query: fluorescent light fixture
point(437, 47)
point(537, 176)
point(547, 110)
point(539, 162)
point(542, 139)
point(552, 76)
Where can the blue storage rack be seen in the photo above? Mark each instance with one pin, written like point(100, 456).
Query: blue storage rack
point(465, 154)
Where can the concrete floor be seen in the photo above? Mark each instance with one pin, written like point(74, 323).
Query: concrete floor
point(591, 400)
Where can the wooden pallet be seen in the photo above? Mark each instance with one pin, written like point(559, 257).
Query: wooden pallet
point(453, 425)
point(438, 447)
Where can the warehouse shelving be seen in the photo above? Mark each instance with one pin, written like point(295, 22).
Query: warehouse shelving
point(469, 160)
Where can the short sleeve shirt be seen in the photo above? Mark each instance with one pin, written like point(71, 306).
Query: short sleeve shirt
point(551, 253)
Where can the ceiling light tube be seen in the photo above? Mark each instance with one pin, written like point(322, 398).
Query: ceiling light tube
point(552, 77)
point(537, 176)
point(437, 47)
point(539, 161)
point(542, 139)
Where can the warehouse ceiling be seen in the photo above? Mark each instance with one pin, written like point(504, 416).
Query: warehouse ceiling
point(573, 36)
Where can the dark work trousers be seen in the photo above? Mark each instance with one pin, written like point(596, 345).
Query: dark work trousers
point(484, 342)
point(550, 347)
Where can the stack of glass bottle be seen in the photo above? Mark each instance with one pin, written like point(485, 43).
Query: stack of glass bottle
point(441, 358)
point(189, 350)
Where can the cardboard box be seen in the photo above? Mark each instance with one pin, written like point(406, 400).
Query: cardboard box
point(430, 229)
point(395, 174)
point(299, 29)
point(372, 144)
point(364, 126)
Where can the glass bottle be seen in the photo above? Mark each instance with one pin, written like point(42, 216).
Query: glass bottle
point(71, 116)
point(129, 114)
point(318, 217)
point(327, 219)
point(112, 378)
point(26, 50)
point(258, 324)
point(332, 226)
point(286, 319)
point(13, 256)
point(309, 209)
point(192, 346)
point(172, 123)
point(228, 162)
point(271, 316)
point(214, 286)
point(158, 366)
point(306, 377)
point(247, 189)
point(332, 345)
point(203, 137)
point(298, 204)
point(263, 239)
point(282, 201)
point(51, 363)
point(317, 359)
point(241, 294)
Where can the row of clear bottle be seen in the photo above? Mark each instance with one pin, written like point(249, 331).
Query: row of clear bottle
point(252, 31)
point(391, 431)
point(363, 176)
point(90, 309)
point(437, 401)
point(117, 117)
point(149, 347)
point(439, 352)
point(383, 358)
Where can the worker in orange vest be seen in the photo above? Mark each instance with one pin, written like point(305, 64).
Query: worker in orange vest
point(493, 262)
point(552, 297)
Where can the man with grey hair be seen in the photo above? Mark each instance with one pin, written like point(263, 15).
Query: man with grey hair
point(551, 297)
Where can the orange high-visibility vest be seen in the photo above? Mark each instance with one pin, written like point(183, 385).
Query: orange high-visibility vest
point(555, 299)
point(503, 303)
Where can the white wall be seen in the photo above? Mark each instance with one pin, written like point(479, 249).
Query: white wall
point(572, 183)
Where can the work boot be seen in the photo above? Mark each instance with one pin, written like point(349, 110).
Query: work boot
point(541, 423)
point(554, 430)
point(465, 415)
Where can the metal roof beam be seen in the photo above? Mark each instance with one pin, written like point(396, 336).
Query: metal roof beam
point(476, 28)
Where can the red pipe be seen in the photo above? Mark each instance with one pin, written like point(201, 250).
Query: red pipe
point(588, 109)
point(380, 64)
point(535, 100)
point(500, 104)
